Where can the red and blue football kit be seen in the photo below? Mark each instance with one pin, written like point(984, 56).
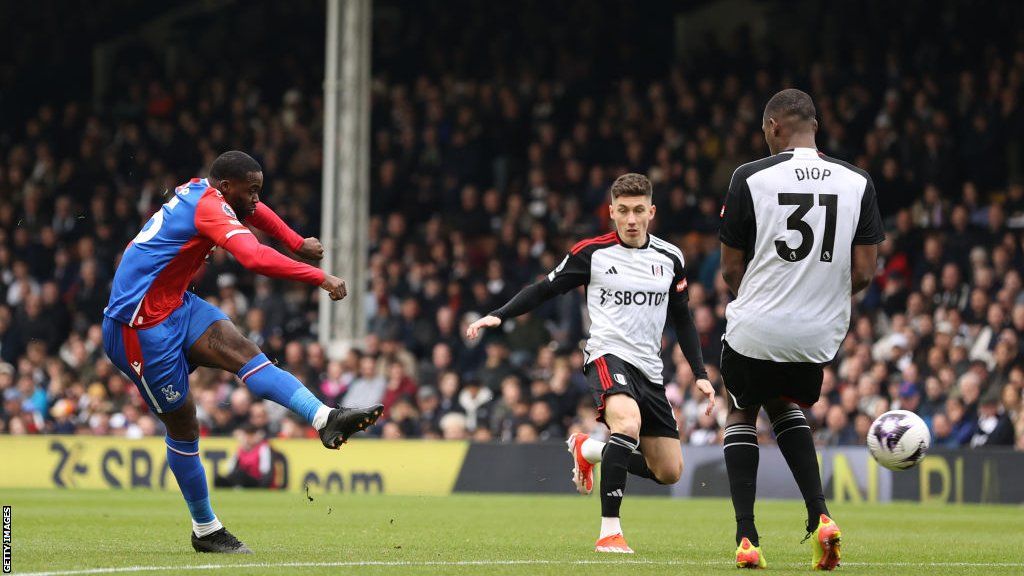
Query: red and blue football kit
point(151, 320)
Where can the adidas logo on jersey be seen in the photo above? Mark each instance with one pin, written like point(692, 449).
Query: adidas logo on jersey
point(611, 270)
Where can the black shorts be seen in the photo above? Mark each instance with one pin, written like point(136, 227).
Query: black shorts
point(611, 375)
point(752, 382)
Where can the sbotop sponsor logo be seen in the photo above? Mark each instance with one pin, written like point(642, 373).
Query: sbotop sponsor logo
point(7, 539)
point(631, 298)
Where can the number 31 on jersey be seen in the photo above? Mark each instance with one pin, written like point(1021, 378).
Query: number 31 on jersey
point(804, 203)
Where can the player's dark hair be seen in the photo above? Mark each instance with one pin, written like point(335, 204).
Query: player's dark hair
point(233, 165)
point(791, 104)
point(632, 184)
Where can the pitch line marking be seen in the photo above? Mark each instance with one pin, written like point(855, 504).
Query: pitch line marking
point(413, 563)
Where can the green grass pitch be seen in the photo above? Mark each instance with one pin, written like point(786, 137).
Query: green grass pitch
point(112, 532)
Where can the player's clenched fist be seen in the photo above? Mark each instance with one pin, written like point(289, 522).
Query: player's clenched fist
point(311, 249)
point(335, 287)
point(486, 322)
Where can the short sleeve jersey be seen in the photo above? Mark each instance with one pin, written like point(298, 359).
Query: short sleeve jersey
point(796, 216)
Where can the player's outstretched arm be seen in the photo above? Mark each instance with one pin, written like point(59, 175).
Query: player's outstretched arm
point(267, 220)
point(573, 271)
point(216, 221)
point(269, 262)
point(527, 299)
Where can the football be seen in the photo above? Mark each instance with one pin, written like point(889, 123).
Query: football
point(898, 439)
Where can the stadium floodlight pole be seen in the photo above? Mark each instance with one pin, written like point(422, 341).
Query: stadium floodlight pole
point(346, 169)
point(329, 186)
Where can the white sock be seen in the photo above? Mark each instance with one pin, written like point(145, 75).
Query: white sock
point(207, 528)
point(592, 450)
point(320, 418)
point(610, 526)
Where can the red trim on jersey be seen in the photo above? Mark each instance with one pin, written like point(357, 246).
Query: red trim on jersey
point(608, 238)
point(132, 349)
point(603, 374)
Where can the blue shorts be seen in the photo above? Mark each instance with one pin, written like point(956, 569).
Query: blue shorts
point(156, 358)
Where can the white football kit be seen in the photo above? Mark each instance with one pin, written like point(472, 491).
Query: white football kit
point(796, 215)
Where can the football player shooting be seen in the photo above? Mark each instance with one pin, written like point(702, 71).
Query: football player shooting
point(799, 235)
point(635, 281)
point(156, 332)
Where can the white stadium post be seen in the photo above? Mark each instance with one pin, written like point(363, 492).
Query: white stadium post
point(345, 201)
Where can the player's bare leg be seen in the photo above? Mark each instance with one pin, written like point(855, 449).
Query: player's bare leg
point(741, 459)
point(622, 415)
point(208, 534)
point(662, 456)
point(223, 346)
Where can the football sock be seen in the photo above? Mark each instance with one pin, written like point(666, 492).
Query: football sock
point(614, 463)
point(610, 526)
point(793, 436)
point(268, 381)
point(183, 460)
point(592, 450)
point(741, 459)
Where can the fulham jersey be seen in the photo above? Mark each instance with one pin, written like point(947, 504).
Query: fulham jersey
point(796, 216)
point(628, 295)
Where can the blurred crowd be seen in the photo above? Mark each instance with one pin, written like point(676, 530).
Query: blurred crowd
point(482, 177)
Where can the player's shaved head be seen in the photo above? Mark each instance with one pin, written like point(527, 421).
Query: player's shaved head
point(789, 120)
point(790, 105)
point(234, 165)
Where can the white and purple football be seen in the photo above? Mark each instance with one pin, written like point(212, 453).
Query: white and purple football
point(899, 439)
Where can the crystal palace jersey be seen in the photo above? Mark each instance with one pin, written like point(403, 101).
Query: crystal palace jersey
point(796, 216)
point(628, 294)
point(162, 259)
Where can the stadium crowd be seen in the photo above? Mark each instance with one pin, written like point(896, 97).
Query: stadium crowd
point(480, 183)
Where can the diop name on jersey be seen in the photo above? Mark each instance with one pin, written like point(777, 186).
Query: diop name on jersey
point(812, 173)
point(630, 298)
